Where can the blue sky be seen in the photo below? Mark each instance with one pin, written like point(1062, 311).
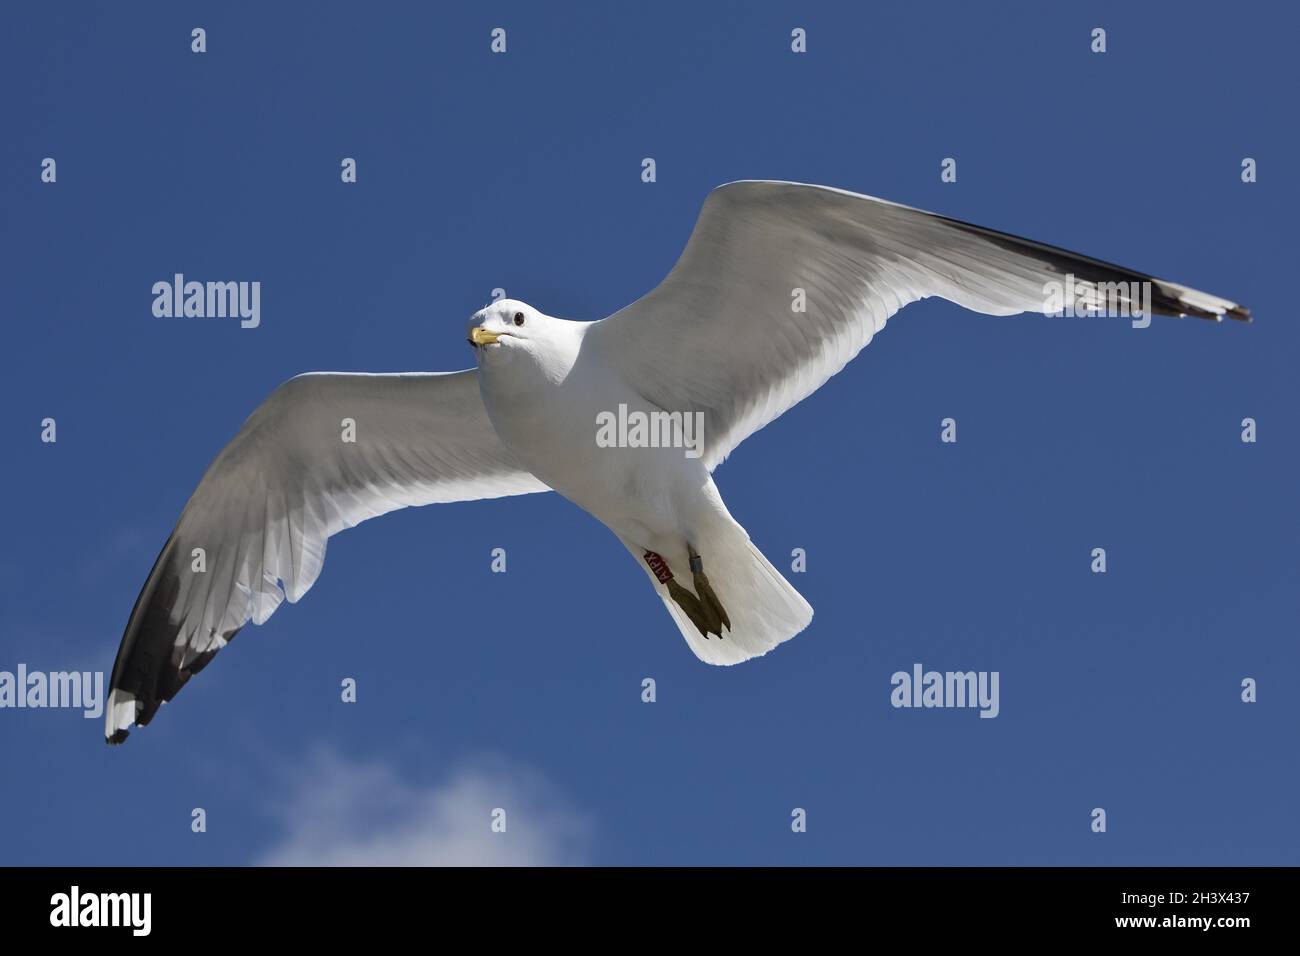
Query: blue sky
point(522, 690)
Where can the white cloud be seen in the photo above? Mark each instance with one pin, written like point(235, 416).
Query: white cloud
point(343, 813)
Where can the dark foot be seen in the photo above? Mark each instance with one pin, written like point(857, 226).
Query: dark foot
point(703, 614)
point(708, 598)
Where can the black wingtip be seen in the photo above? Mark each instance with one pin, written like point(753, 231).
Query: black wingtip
point(145, 668)
point(1166, 296)
point(118, 737)
point(1183, 310)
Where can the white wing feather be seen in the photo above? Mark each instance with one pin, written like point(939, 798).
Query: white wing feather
point(275, 494)
point(719, 334)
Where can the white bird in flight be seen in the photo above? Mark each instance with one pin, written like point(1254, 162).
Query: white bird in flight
point(717, 342)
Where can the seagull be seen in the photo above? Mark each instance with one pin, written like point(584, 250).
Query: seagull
point(720, 342)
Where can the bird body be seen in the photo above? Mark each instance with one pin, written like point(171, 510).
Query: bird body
point(545, 395)
point(780, 285)
point(549, 422)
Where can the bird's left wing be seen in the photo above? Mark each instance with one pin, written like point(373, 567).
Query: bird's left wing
point(324, 452)
point(724, 333)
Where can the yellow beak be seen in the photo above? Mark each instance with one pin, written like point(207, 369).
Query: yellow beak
point(483, 337)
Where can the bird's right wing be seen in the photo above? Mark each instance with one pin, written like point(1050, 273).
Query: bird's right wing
point(324, 452)
point(723, 336)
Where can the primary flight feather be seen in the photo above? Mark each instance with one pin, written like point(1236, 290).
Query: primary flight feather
point(716, 343)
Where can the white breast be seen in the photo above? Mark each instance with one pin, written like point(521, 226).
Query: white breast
point(551, 422)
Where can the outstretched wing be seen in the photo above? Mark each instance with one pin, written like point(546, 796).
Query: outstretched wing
point(720, 335)
point(254, 531)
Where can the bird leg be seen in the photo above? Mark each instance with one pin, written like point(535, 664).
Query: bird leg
point(708, 598)
point(704, 620)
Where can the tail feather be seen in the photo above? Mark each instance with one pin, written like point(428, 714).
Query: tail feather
point(765, 610)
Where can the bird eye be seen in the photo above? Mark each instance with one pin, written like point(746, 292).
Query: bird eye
point(519, 318)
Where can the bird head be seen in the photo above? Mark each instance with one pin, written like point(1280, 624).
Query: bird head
point(507, 323)
point(515, 343)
